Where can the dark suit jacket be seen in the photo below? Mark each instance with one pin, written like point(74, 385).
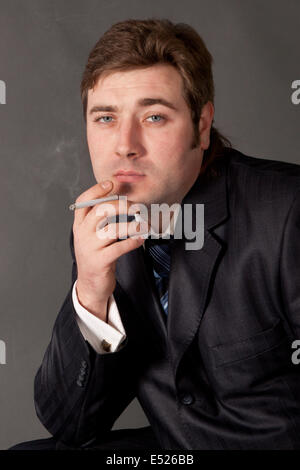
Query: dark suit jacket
point(218, 374)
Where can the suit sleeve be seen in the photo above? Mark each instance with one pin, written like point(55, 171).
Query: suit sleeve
point(79, 393)
point(290, 266)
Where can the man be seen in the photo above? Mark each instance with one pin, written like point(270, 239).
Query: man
point(211, 364)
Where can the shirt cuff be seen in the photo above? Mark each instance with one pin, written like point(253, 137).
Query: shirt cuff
point(103, 337)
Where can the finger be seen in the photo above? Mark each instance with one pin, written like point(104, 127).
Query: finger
point(109, 210)
point(113, 251)
point(95, 192)
point(100, 212)
point(114, 231)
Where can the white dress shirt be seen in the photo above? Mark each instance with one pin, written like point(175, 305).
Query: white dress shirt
point(107, 337)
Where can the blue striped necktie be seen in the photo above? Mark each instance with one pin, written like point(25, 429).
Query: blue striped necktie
point(159, 251)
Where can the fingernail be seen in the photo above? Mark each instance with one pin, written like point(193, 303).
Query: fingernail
point(106, 184)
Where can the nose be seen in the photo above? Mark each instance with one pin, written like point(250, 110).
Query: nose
point(128, 144)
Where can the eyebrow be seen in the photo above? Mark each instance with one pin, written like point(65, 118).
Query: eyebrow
point(142, 102)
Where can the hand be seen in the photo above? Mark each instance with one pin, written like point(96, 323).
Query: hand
point(97, 251)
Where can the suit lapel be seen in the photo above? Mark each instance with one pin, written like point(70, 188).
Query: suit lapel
point(192, 271)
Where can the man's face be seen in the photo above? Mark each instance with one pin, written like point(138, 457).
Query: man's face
point(127, 130)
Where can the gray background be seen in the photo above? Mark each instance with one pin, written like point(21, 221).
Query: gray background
point(45, 163)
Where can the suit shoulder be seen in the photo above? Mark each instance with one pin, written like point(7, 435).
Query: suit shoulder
point(264, 165)
point(271, 178)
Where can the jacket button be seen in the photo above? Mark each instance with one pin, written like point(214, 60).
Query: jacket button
point(187, 399)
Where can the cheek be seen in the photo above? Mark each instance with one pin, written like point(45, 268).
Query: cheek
point(177, 141)
point(95, 149)
point(90, 136)
point(169, 146)
point(97, 146)
point(173, 154)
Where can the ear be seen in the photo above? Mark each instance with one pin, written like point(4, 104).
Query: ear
point(205, 123)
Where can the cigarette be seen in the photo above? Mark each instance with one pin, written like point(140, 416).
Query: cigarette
point(92, 202)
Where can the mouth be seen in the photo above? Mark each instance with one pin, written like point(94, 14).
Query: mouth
point(129, 176)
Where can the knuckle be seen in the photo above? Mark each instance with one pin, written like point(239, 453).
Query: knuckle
point(86, 195)
point(81, 197)
point(105, 233)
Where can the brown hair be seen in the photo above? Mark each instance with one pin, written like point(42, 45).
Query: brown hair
point(136, 44)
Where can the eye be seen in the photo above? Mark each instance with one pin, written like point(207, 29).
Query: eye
point(103, 117)
point(160, 118)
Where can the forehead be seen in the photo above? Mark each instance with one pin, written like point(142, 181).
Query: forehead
point(162, 79)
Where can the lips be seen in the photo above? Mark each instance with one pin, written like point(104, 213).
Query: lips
point(128, 173)
point(128, 176)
